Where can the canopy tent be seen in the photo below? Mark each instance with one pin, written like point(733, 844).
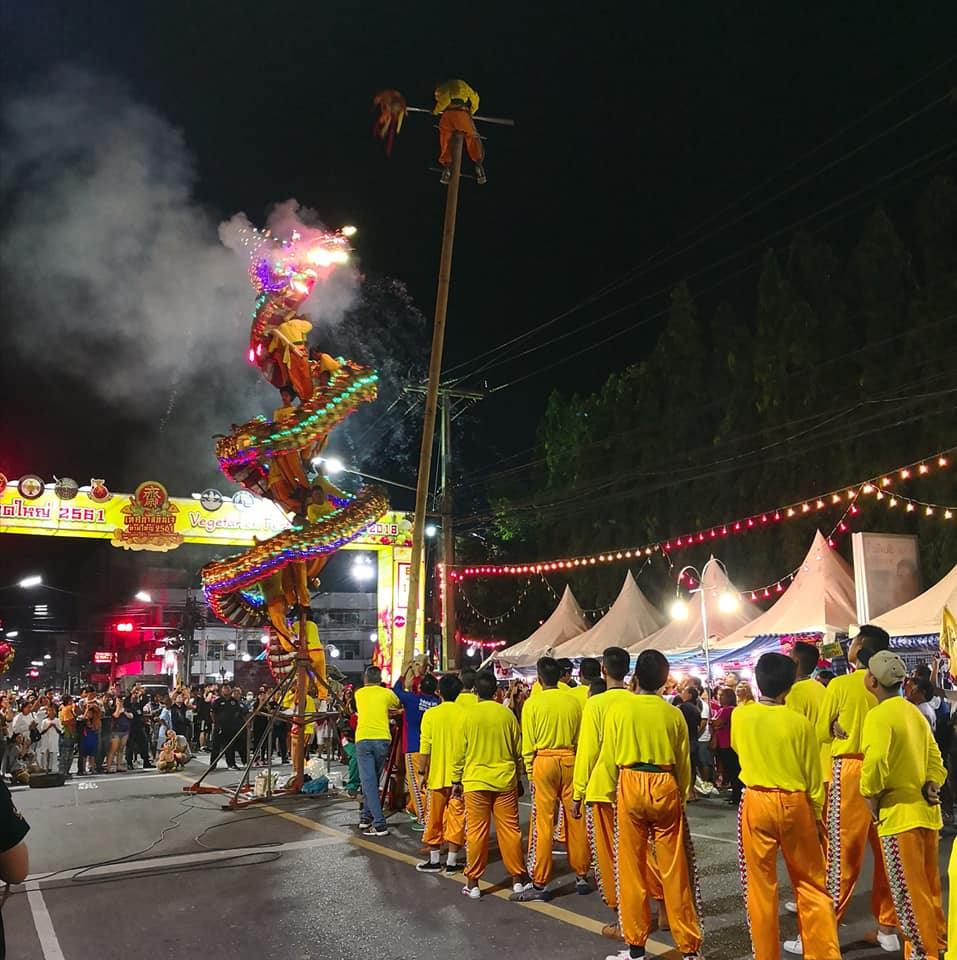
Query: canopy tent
point(922, 616)
point(820, 599)
point(684, 636)
point(631, 618)
point(567, 621)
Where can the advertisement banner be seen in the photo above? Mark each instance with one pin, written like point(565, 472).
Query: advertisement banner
point(886, 572)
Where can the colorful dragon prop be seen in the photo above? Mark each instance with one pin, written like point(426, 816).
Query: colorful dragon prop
point(272, 458)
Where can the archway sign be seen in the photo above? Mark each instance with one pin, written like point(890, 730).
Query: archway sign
point(150, 519)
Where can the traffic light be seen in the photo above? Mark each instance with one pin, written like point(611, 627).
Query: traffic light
point(124, 626)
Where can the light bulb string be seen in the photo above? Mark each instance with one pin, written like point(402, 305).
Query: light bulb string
point(807, 505)
point(500, 618)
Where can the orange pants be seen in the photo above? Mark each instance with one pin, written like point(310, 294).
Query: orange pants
point(444, 819)
point(952, 905)
point(601, 826)
point(912, 862)
point(849, 830)
point(559, 836)
point(769, 820)
point(458, 119)
point(416, 802)
point(650, 810)
point(481, 807)
point(551, 782)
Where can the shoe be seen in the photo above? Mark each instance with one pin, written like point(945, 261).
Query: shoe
point(794, 946)
point(582, 888)
point(376, 832)
point(446, 174)
point(352, 794)
point(149, 766)
point(531, 893)
point(429, 867)
point(790, 906)
point(365, 824)
point(450, 868)
point(691, 956)
point(473, 893)
point(623, 954)
point(519, 887)
point(611, 932)
point(418, 827)
point(889, 942)
point(480, 177)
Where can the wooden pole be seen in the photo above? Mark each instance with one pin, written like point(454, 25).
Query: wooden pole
point(449, 652)
point(399, 656)
point(302, 682)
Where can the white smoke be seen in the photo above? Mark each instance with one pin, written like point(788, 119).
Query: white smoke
point(115, 272)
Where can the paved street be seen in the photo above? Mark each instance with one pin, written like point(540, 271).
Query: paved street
point(123, 864)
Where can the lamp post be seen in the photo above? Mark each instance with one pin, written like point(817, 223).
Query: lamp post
point(727, 603)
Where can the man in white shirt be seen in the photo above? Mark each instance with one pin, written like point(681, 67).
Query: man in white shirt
point(920, 693)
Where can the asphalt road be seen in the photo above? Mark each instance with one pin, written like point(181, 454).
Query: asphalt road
point(127, 865)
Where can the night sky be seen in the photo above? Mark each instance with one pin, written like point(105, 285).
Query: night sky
point(635, 124)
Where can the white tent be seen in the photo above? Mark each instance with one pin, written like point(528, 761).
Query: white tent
point(684, 636)
point(631, 618)
point(921, 617)
point(566, 621)
point(820, 599)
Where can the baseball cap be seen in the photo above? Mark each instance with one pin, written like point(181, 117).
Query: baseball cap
point(887, 668)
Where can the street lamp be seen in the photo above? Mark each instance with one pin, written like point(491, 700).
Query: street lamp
point(12, 634)
point(143, 597)
point(431, 530)
point(362, 570)
point(32, 581)
point(727, 603)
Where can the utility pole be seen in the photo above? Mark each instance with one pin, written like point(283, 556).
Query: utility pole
point(402, 653)
point(445, 505)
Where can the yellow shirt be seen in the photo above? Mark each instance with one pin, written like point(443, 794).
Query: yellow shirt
point(455, 90)
point(549, 722)
point(580, 693)
point(596, 776)
point(439, 737)
point(373, 704)
point(778, 749)
point(537, 688)
point(900, 756)
point(294, 330)
point(644, 729)
point(489, 747)
point(846, 700)
point(281, 414)
point(466, 700)
point(806, 697)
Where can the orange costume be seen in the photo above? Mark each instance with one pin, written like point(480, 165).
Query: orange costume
point(900, 756)
point(647, 739)
point(781, 808)
point(444, 814)
point(486, 765)
point(849, 825)
point(550, 724)
point(288, 349)
point(456, 101)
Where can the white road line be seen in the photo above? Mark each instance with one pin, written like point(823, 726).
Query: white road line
point(705, 836)
point(180, 860)
point(49, 943)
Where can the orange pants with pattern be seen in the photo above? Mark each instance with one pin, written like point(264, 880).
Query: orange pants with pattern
point(600, 824)
point(650, 811)
point(444, 819)
point(769, 821)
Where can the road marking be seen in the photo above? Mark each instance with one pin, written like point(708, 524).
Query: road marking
point(49, 943)
point(180, 860)
point(652, 948)
point(705, 836)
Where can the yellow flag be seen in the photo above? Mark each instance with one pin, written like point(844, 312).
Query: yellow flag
point(948, 638)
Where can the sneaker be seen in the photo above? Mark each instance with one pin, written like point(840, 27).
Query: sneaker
point(365, 824)
point(623, 954)
point(794, 946)
point(418, 827)
point(428, 867)
point(449, 868)
point(149, 766)
point(791, 906)
point(889, 942)
point(582, 888)
point(473, 893)
point(376, 832)
point(529, 894)
point(480, 177)
point(352, 794)
point(446, 174)
point(519, 887)
point(611, 931)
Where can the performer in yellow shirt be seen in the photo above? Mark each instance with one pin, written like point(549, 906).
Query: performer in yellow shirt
point(781, 809)
point(288, 350)
point(550, 724)
point(467, 698)
point(456, 101)
point(444, 814)
point(647, 739)
point(596, 783)
point(485, 771)
point(901, 780)
point(589, 670)
point(849, 828)
point(807, 696)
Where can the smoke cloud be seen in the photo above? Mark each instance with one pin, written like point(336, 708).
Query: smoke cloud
point(106, 253)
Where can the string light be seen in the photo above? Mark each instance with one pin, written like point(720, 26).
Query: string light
point(786, 511)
